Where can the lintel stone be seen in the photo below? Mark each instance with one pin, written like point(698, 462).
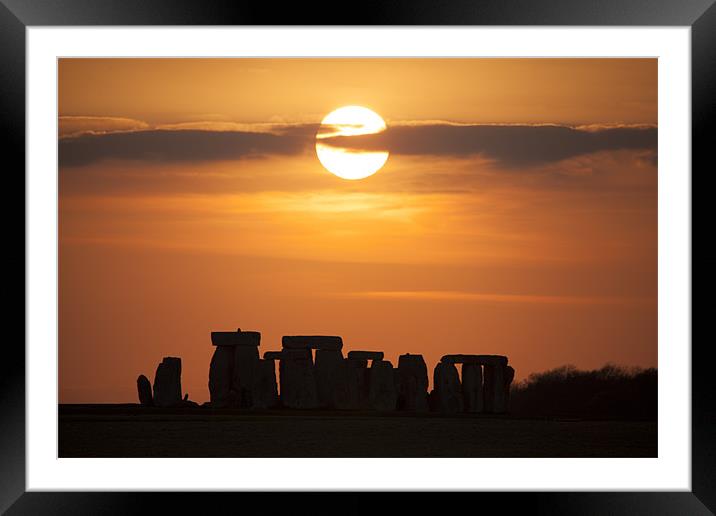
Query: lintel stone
point(236, 338)
point(365, 355)
point(494, 360)
point(312, 342)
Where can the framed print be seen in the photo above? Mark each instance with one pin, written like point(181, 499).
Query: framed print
point(442, 248)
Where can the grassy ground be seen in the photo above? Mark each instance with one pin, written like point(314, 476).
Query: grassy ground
point(133, 431)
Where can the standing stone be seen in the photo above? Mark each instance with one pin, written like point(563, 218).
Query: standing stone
point(167, 383)
point(412, 383)
point(246, 363)
point(144, 390)
point(509, 377)
point(500, 404)
point(265, 391)
point(382, 394)
point(488, 390)
point(233, 368)
point(494, 389)
point(472, 387)
point(447, 388)
point(361, 377)
point(330, 376)
point(351, 393)
point(298, 382)
point(221, 372)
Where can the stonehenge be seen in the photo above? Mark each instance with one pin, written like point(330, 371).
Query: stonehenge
point(313, 373)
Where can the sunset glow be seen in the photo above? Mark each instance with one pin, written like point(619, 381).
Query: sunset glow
point(493, 206)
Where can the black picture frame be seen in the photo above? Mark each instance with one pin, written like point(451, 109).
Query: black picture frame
point(700, 15)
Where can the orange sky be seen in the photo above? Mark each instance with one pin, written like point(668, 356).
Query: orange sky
point(191, 200)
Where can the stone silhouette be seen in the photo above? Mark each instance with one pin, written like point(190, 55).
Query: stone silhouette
point(239, 378)
point(495, 387)
point(494, 392)
point(298, 381)
point(494, 360)
point(265, 390)
point(509, 377)
point(472, 387)
point(382, 392)
point(246, 364)
point(357, 362)
point(234, 370)
point(358, 383)
point(244, 346)
point(330, 376)
point(167, 383)
point(365, 355)
point(144, 391)
point(273, 355)
point(412, 383)
point(448, 393)
point(221, 373)
point(236, 338)
point(304, 385)
point(312, 342)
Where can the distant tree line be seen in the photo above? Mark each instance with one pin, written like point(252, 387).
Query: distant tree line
point(611, 392)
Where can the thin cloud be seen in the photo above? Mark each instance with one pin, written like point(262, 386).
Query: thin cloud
point(511, 145)
point(452, 295)
point(183, 145)
point(72, 126)
point(508, 145)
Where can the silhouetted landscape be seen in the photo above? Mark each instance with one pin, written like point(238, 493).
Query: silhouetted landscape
point(421, 247)
point(339, 407)
point(611, 392)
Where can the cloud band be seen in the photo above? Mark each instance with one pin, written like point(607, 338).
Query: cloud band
point(511, 145)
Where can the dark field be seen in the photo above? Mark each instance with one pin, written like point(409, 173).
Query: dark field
point(133, 431)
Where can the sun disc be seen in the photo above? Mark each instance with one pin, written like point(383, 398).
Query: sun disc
point(345, 163)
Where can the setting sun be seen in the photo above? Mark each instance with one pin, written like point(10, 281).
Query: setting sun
point(345, 163)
